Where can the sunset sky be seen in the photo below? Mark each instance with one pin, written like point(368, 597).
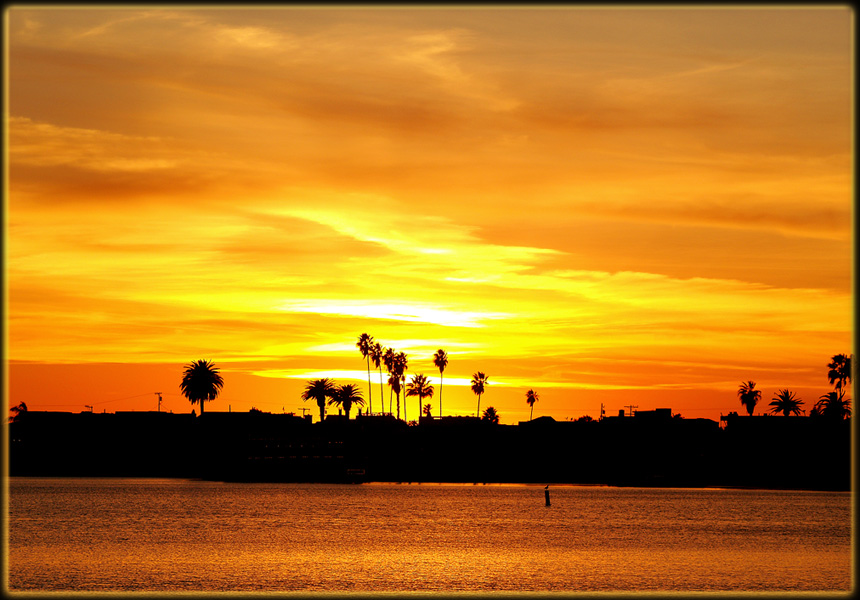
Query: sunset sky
point(622, 206)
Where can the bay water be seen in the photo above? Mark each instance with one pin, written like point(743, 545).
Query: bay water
point(168, 535)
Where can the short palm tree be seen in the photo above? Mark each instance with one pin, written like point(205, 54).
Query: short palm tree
point(201, 382)
point(840, 370)
point(345, 396)
point(785, 402)
point(749, 395)
point(834, 405)
point(376, 354)
point(440, 359)
point(20, 411)
point(479, 380)
point(490, 415)
point(531, 398)
point(319, 390)
point(428, 408)
point(364, 344)
point(419, 386)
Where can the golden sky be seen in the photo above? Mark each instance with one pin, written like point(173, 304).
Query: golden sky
point(628, 206)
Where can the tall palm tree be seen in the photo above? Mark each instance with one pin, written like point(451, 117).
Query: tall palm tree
point(479, 380)
point(490, 415)
point(376, 354)
point(840, 370)
point(345, 396)
point(749, 395)
point(419, 386)
point(401, 363)
point(531, 398)
point(834, 405)
point(440, 359)
point(785, 402)
point(394, 383)
point(388, 360)
point(319, 390)
point(364, 344)
point(201, 382)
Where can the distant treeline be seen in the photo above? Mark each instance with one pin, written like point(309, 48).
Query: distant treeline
point(650, 448)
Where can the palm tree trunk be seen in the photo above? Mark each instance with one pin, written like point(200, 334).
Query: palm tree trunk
point(369, 389)
point(381, 393)
point(201, 407)
point(441, 380)
point(531, 412)
point(479, 406)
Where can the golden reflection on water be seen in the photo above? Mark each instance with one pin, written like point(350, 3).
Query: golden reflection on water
point(166, 535)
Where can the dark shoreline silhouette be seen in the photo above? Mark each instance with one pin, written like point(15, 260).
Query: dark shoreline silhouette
point(649, 449)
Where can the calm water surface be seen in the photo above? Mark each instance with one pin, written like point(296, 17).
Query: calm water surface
point(170, 535)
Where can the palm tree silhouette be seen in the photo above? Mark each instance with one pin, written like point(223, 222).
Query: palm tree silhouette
point(834, 405)
point(840, 370)
point(428, 408)
point(364, 344)
point(440, 359)
point(785, 402)
point(388, 360)
point(319, 390)
point(201, 382)
point(20, 411)
point(345, 396)
point(376, 353)
point(394, 383)
point(490, 415)
point(479, 380)
point(749, 396)
point(419, 386)
point(401, 364)
point(531, 398)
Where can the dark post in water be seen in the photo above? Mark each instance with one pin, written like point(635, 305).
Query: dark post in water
point(546, 494)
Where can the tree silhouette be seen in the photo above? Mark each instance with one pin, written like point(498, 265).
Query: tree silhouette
point(440, 359)
point(840, 370)
point(490, 415)
point(834, 405)
point(376, 354)
point(479, 380)
point(428, 408)
point(20, 411)
point(201, 382)
point(345, 396)
point(388, 359)
point(319, 390)
point(394, 382)
point(401, 363)
point(531, 398)
point(749, 395)
point(419, 386)
point(364, 344)
point(785, 402)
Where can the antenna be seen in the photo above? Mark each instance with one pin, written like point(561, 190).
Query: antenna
point(631, 407)
point(88, 406)
point(303, 410)
point(159, 400)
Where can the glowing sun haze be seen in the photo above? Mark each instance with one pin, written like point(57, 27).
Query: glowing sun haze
point(622, 206)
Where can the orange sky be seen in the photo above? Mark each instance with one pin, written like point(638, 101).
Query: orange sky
point(620, 206)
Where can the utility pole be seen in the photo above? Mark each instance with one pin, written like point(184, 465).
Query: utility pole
point(631, 407)
point(88, 406)
point(159, 400)
point(304, 408)
point(602, 412)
